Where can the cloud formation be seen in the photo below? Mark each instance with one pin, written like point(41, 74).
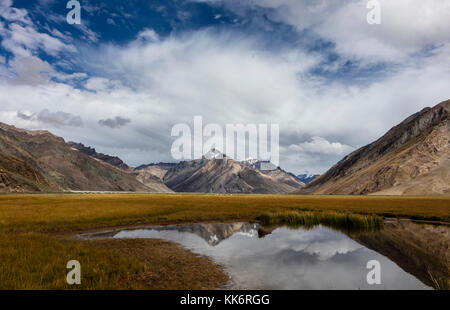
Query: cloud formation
point(322, 146)
point(117, 122)
point(230, 76)
point(406, 26)
point(59, 118)
point(31, 70)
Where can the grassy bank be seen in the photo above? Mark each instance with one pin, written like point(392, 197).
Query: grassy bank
point(339, 221)
point(37, 261)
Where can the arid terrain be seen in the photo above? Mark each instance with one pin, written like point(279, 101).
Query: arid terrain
point(413, 158)
point(410, 159)
point(228, 176)
point(53, 163)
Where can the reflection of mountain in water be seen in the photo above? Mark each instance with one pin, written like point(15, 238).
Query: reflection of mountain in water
point(420, 249)
point(214, 233)
point(318, 258)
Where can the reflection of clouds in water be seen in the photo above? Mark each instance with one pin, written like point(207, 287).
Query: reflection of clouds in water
point(321, 242)
point(319, 258)
point(324, 243)
point(251, 233)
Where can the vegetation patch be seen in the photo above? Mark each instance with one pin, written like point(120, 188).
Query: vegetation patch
point(51, 213)
point(37, 261)
point(340, 221)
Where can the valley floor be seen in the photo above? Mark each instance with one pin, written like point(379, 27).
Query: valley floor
point(36, 234)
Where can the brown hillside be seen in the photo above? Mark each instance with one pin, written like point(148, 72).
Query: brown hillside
point(411, 158)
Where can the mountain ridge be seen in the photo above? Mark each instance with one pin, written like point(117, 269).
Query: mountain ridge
point(418, 147)
point(62, 167)
point(112, 160)
point(225, 175)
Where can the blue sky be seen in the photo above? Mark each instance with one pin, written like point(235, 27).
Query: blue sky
point(133, 69)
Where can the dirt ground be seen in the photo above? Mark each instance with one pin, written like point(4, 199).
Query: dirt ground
point(168, 265)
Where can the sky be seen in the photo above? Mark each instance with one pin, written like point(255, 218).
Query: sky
point(121, 79)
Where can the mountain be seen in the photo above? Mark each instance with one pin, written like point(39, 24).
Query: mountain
point(307, 178)
point(250, 161)
point(39, 160)
point(261, 165)
point(112, 160)
point(17, 176)
point(225, 175)
point(284, 177)
point(413, 158)
point(278, 174)
point(213, 233)
point(149, 175)
point(152, 175)
point(159, 170)
point(214, 154)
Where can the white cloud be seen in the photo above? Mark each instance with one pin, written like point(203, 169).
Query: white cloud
point(31, 70)
point(22, 40)
point(46, 117)
point(407, 26)
point(320, 145)
point(102, 84)
point(21, 37)
point(59, 118)
point(10, 13)
point(211, 72)
point(227, 77)
point(147, 35)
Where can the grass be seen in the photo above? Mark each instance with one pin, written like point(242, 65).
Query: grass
point(70, 212)
point(35, 261)
point(35, 247)
point(439, 283)
point(339, 221)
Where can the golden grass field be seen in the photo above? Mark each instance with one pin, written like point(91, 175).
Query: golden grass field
point(35, 229)
point(69, 212)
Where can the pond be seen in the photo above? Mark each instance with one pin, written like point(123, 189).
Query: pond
point(284, 258)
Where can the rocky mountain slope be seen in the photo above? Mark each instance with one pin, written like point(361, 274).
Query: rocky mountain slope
point(411, 158)
point(17, 176)
point(45, 160)
point(284, 177)
point(112, 160)
point(280, 175)
point(159, 170)
point(225, 175)
point(153, 174)
point(307, 178)
point(149, 175)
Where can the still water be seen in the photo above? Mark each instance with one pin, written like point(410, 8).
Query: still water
point(318, 258)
